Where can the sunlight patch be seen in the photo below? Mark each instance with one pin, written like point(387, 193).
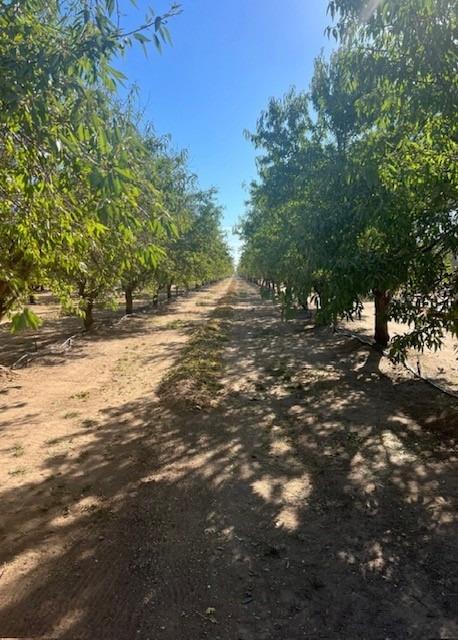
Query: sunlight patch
point(288, 519)
point(396, 449)
point(288, 494)
point(280, 447)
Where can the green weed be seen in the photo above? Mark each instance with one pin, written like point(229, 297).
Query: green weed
point(70, 415)
point(196, 376)
point(15, 473)
point(17, 450)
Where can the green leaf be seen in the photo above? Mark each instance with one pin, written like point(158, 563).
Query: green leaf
point(141, 38)
point(26, 319)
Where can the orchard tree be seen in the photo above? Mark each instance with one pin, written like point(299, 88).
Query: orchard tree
point(361, 199)
point(54, 58)
point(403, 59)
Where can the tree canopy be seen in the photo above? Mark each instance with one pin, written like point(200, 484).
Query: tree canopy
point(91, 198)
point(357, 188)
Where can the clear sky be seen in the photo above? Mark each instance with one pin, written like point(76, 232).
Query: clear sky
point(228, 58)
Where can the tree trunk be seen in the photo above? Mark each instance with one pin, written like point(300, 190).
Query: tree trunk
point(6, 298)
point(176, 291)
point(382, 301)
point(155, 300)
point(129, 300)
point(88, 314)
point(454, 309)
point(169, 291)
point(288, 295)
point(3, 307)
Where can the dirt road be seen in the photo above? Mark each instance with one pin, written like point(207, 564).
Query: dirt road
point(312, 498)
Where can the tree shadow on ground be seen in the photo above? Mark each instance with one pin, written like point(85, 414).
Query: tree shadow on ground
point(315, 501)
point(55, 331)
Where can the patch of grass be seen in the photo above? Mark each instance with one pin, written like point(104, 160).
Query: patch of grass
point(223, 313)
point(53, 442)
point(196, 376)
point(178, 324)
point(16, 473)
point(81, 395)
point(125, 364)
point(88, 423)
point(354, 439)
point(17, 450)
point(70, 415)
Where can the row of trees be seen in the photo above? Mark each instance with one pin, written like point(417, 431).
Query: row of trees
point(357, 187)
point(91, 200)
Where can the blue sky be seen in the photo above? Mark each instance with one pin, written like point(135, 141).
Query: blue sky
point(228, 58)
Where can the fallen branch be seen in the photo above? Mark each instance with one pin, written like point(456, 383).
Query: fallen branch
point(127, 316)
point(27, 357)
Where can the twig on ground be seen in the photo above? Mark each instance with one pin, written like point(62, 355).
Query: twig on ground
point(27, 357)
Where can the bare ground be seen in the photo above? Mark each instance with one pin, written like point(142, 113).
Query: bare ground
point(57, 326)
point(439, 366)
point(313, 497)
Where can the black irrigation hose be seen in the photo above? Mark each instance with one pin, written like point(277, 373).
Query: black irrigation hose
point(416, 374)
point(408, 366)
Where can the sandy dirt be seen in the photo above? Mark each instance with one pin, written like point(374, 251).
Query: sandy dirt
point(57, 326)
point(314, 498)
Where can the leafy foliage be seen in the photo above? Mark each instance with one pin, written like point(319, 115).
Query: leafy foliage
point(89, 198)
point(357, 187)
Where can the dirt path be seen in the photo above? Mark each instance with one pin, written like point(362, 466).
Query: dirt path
point(314, 499)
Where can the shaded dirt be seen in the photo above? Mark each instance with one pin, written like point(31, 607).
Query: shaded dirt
point(440, 366)
point(57, 326)
point(314, 498)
